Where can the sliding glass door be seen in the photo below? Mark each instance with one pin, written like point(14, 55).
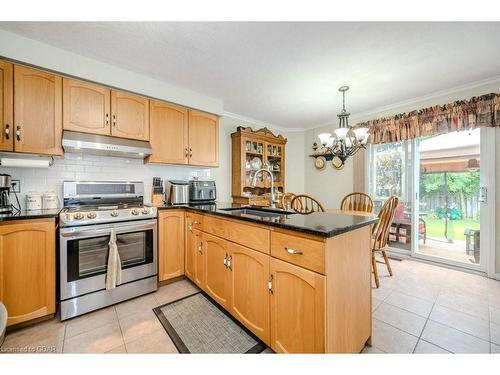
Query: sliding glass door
point(441, 187)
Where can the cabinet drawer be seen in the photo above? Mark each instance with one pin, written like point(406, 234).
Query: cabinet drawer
point(194, 221)
point(216, 226)
point(251, 236)
point(301, 251)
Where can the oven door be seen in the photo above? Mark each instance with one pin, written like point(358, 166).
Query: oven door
point(84, 255)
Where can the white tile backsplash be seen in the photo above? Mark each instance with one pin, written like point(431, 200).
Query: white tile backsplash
point(91, 167)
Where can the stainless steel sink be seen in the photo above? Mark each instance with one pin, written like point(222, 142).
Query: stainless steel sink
point(262, 212)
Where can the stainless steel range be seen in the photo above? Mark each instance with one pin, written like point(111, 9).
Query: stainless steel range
point(91, 210)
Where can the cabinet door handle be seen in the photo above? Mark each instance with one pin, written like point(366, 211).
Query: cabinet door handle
point(7, 131)
point(200, 248)
point(229, 260)
point(225, 260)
point(114, 120)
point(107, 119)
point(270, 284)
point(18, 133)
point(187, 152)
point(293, 251)
point(190, 152)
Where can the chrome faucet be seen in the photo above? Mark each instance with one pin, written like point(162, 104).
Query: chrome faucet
point(272, 200)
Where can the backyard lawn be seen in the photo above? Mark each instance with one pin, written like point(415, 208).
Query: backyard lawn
point(435, 228)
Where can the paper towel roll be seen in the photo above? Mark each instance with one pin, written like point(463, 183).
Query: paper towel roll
point(25, 163)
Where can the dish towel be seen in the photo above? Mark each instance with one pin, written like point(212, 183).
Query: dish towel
point(114, 272)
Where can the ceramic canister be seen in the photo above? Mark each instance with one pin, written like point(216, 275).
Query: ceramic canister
point(33, 201)
point(50, 201)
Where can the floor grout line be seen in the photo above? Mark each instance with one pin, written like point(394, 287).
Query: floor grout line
point(423, 329)
point(120, 327)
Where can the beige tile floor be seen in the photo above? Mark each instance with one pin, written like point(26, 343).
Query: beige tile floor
point(430, 309)
point(421, 309)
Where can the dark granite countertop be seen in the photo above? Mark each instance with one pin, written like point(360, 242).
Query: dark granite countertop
point(322, 224)
point(30, 214)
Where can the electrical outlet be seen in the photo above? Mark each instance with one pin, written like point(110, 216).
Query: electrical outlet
point(15, 186)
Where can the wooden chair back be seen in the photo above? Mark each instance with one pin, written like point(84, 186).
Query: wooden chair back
point(357, 202)
point(385, 217)
point(286, 200)
point(306, 204)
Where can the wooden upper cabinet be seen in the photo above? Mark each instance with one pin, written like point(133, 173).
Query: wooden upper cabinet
point(6, 106)
point(297, 309)
point(203, 139)
point(168, 133)
point(171, 244)
point(217, 276)
point(37, 111)
point(27, 269)
point(86, 107)
point(250, 294)
point(130, 116)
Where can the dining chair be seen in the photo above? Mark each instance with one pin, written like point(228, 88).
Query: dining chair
point(380, 235)
point(357, 202)
point(306, 204)
point(286, 200)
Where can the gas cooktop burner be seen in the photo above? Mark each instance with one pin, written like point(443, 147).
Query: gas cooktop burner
point(119, 206)
point(99, 215)
point(94, 202)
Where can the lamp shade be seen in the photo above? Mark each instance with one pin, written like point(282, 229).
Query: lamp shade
point(341, 133)
point(361, 134)
point(324, 138)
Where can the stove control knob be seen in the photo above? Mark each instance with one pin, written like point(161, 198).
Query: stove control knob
point(91, 215)
point(114, 213)
point(135, 212)
point(145, 211)
point(78, 216)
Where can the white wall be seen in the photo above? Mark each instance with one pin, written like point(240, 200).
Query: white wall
point(32, 52)
point(90, 167)
point(329, 186)
point(497, 199)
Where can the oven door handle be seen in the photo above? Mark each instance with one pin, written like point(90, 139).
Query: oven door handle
point(107, 230)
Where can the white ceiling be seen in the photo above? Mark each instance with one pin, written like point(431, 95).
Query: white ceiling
point(287, 74)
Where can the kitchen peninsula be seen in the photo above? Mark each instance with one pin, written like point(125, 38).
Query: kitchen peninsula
point(301, 283)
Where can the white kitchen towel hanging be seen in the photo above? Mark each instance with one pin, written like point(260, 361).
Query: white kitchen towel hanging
point(114, 272)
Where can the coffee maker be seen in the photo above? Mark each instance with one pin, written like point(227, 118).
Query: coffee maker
point(5, 205)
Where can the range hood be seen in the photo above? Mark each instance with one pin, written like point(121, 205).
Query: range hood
point(104, 145)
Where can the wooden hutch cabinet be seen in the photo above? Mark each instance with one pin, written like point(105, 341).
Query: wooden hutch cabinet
point(253, 150)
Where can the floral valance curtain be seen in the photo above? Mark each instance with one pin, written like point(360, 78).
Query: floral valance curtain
point(479, 111)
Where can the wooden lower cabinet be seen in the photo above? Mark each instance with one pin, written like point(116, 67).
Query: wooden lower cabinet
point(27, 269)
point(217, 277)
point(297, 309)
point(171, 244)
point(315, 300)
point(249, 302)
point(195, 259)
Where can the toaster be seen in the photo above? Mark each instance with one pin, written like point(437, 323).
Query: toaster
point(202, 191)
point(176, 192)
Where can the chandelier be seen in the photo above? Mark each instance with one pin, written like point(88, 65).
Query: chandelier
point(345, 141)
